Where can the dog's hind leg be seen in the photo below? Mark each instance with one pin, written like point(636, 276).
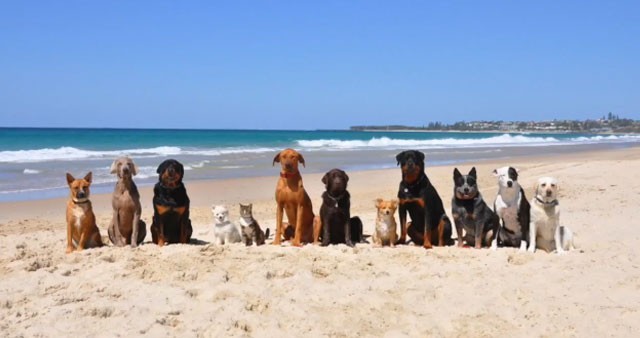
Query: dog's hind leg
point(135, 228)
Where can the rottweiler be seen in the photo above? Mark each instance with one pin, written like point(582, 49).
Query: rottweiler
point(337, 224)
point(171, 223)
point(416, 195)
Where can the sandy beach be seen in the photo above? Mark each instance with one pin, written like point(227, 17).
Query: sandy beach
point(202, 290)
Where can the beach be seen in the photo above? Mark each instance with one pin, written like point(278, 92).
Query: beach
point(202, 290)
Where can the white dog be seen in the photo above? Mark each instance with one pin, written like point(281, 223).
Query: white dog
point(225, 231)
point(545, 230)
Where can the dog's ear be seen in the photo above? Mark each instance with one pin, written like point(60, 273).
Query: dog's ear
point(114, 166)
point(301, 159)
point(420, 156)
point(346, 177)
point(495, 172)
point(394, 203)
point(134, 168)
point(161, 167)
point(276, 159)
point(70, 179)
point(378, 202)
point(325, 178)
point(472, 173)
point(400, 157)
point(513, 173)
point(180, 169)
point(88, 177)
point(456, 174)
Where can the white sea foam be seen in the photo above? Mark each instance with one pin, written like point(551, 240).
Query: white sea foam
point(30, 171)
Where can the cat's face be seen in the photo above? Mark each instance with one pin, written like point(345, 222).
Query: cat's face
point(245, 210)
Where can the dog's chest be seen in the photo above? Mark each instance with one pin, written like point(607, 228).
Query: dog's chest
point(78, 214)
point(509, 214)
point(384, 227)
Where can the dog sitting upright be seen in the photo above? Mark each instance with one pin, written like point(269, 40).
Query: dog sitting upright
point(225, 231)
point(471, 213)
point(385, 231)
point(417, 196)
point(512, 207)
point(82, 231)
point(171, 223)
point(335, 212)
point(545, 230)
point(126, 226)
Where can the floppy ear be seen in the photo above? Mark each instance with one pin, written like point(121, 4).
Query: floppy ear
point(472, 173)
point(134, 168)
point(346, 177)
point(456, 174)
point(70, 179)
point(399, 157)
point(114, 166)
point(495, 172)
point(301, 159)
point(420, 156)
point(513, 173)
point(276, 159)
point(88, 177)
point(161, 167)
point(180, 168)
point(535, 188)
point(325, 178)
point(378, 201)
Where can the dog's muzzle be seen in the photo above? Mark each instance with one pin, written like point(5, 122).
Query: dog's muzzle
point(549, 193)
point(510, 184)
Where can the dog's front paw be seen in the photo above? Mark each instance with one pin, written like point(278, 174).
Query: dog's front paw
point(69, 249)
point(532, 250)
point(562, 252)
point(349, 243)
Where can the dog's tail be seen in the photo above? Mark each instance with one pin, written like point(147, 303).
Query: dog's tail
point(356, 229)
point(567, 238)
point(266, 233)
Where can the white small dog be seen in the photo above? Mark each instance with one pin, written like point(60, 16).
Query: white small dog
point(225, 231)
point(545, 230)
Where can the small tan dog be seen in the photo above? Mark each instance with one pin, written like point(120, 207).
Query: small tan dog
point(385, 233)
point(82, 231)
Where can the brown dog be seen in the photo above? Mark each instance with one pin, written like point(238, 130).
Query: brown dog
point(82, 231)
point(293, 199)
point(126, 226)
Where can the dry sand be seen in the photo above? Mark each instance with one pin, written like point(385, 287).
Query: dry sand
point(206, 290)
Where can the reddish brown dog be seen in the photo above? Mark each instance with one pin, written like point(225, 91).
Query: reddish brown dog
point(82, 231)
point(293, 199)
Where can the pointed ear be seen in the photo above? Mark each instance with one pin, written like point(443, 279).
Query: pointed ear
point(276, 159)
point(456, 173)
point(70, 179)
point(114, 166)
point(472, 173)
point(495, 172)
point(301, 159)
point(88, 177)
point(378, 202)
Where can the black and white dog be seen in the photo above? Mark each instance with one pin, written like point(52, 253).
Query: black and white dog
point(512, 207)
point(471, 213)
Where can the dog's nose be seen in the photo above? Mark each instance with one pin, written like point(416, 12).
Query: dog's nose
point(81, 194)
point(509, 184)
point(289, 166)
point(466, 190)
point(549, 193)
point(386, 212)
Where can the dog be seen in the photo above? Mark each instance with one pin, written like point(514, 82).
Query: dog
point(171, 223)
point(386, 229)
point(225, 231)
point(471, 213)
point(417, 196)
point(250, 229)
point(82, 231)
point(291, 198)
point(335, 212)
point(546, 233)
point(126, 226)
point(512, 207)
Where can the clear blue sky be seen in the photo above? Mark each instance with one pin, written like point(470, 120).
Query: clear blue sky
point(314, 64)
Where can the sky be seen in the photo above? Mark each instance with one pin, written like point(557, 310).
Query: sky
point(314, 64)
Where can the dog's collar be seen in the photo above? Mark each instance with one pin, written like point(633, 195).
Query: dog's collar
point(85, 200)
point(289, 175)
point(417, 182)
point(552, 203)
point(170, 188)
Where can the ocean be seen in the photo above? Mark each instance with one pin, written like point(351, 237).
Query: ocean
point(33, 162)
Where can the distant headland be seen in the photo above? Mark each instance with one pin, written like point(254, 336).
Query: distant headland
point(610, 123)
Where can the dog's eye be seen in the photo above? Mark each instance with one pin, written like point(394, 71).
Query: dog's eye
point(543, 185)
point(553, 185)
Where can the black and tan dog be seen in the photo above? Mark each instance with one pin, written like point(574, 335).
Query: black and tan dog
point(171, 223)
point(335, 215)
point(417, 196)
point(82, 231)
point(471, 213)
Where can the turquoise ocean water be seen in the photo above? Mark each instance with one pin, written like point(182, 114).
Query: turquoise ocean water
point(33, 162)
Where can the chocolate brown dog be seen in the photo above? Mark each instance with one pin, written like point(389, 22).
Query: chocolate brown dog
point(171, 223)
point(335, 216)
point(417, 196)
point(294, 200)
point(82, 231)
point(126, 227)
